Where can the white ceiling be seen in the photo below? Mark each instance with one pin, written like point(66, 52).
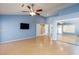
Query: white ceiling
point(48, 8)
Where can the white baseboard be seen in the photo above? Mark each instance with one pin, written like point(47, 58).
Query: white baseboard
point(16, 40)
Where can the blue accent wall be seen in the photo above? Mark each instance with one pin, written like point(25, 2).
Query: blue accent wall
point(0, 28)
point(11, 27)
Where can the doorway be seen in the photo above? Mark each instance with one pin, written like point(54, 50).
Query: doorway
point(41, 34)
point(66, 32)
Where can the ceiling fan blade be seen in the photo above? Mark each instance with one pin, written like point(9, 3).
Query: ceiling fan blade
point(22, 5)
point(30, 15)
point(39, 10)
point(32, 5)
point(37, 13)
point(25, 11)
point(29, 7)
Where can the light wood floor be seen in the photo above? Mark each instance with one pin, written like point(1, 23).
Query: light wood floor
point(68, 38)
point(35, 46)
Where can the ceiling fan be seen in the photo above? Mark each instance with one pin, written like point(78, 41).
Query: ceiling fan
point(31, 11)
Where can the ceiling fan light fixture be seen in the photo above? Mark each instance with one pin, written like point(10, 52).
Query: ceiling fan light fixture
point(32, 13)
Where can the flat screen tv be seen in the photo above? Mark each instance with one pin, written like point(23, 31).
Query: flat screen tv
point(24, 26)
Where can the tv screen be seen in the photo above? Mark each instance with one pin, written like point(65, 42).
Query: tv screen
point(24, 26)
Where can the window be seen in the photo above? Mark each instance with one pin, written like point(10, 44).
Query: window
point(69, 28)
